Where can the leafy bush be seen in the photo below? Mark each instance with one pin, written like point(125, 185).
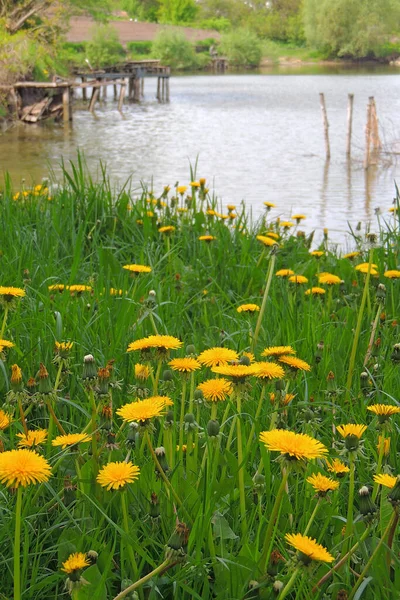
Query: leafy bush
point(104, 47)
point(139, 47)
point(218, 23)
point(242, 48)
point(174, 50)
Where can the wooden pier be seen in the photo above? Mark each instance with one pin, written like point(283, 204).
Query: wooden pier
point(33, 101)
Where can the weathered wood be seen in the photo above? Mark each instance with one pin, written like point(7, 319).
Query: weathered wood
point(67, 111)
point(121, 96)
point(136, 89)
point(158, 89)
point(326, 125)
point(41, 84)
point(376, 140)
point(130, 88)
point(142, 87)
point(84, 91)
point(167, 89)
point(93, 100)
point(349, 123)
point(115, 91)
point(367, 155)
point(33, 113)
point(163, 89)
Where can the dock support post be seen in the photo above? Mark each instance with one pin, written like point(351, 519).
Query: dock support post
point(105, 92)
point(326, 125)
point(130, 88)
point(93, 99)
point(115, 91)
point(67, 113)
point(136, 89)
point(167, 89)
point(163, 90)
point(84, 91)
point(142, 87)
point(367, 154)
point(159, 89)
point(121, 96)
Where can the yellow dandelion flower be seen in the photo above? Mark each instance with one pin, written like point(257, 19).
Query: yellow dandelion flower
point(231, 207)
point(181, 189)
point(137, 268)
point(268, 370)
point(166, 229)
point(393, 209)
point(249, 355)
point(284, 273)
point(5, 344)
point(141, 410)
point(295, 363)
point(299, 279)
point(162, 400)
point(63, 347)
point(23, 467)
point(337, 467)
point(285, 400)
point(272, 234)
point(79, 288)
point(386, 480)
point(269, 204)
point(160, 342)
point(5, 420)
point(386, 444)
point(32, 438)
point(351, 255)
point(11, 292)
point(329, 279)
point(309, 548)
point(267, 241)
point(235, 371)
point(217, 356)
point(75, 562)
point(116, 475)
point(393, 274)
point(184, 365)
point(364, 267)
point(315, 291)
point(249, 308)
point(210, 212)
point(142, 371)
point(70, 439)
point(207, 238)
point(216, 390)
point(384, 410)
point(56, 287)
point(296, 445)
point(286, 224)
point(322, 484)
point(298, 217)
point(317, 253)
point(277, 350)
point(351, 429)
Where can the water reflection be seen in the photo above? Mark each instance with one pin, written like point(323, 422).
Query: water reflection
point(257, 138)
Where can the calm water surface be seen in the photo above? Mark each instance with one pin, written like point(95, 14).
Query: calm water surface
point(257, 137)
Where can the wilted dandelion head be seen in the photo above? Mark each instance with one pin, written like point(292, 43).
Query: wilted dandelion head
point(116, 475)
point(308, 548)
point(23, 467)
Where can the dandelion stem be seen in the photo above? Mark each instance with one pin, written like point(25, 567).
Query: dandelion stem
point(3, 326)
point(181, 421)
point(311, 519)
point(264, 300)
point(379, 465)
point(242, 496)
point(289, 584)
point(93, 424)
point(17, 546)
point(371, 339)
point(269, 538)
point(358, 329)
point(124, 507)
point(372, 557)
point(139, 582)
point(349, 519)
point(153, 323)
point(157, 378)
point(259, 407)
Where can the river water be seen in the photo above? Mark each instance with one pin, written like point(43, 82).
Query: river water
point(256, 137)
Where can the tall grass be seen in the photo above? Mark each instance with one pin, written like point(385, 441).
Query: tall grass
point(224, 487)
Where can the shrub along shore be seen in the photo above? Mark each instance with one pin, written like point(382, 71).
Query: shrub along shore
point(194, 404)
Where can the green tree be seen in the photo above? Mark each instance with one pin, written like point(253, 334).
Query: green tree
point(174, 50)
point(355, 28)
point(177, 11)
point(242, 48)
point(104, 48)
point(144, 10)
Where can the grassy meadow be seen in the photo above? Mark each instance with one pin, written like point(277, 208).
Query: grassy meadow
point(218, 419)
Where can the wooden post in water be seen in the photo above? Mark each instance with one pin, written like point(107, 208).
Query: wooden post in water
point(130, 88)
point(326, 125)
point(93, 99)
point(376, 141)
point(367, 155)
point(136, 89)
point(167, 89)
point(163, 90)
point(67, 112)
point(121, 96)
point(349, 123)
point(84, 92)
point(105, 92)
point(142, 87)
point(158, 88)
point(115, 91)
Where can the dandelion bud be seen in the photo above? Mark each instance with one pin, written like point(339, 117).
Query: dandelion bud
point(351, 442)
point(212, 428)
point(154, 510)
point(198, 396)
point(169, 417)
point(162, 459)
point(189, 419)
point(16, 379)
point(395, 356)
point(273, 566)
point(325, 233)
point(30, 385)
point(244, 360)
point(103, 375)
point(175, 549)
point(372, 238)
point(394, 495)
point(190, 350)
point(45, 386)
point(259, 483)
point(380, 293)
point(167, 375)
point(280, 385)
point(131, 435)
point(277, 587)
point(92, 556)
point(367, 507)
point(89, 367)
point(364, 382)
